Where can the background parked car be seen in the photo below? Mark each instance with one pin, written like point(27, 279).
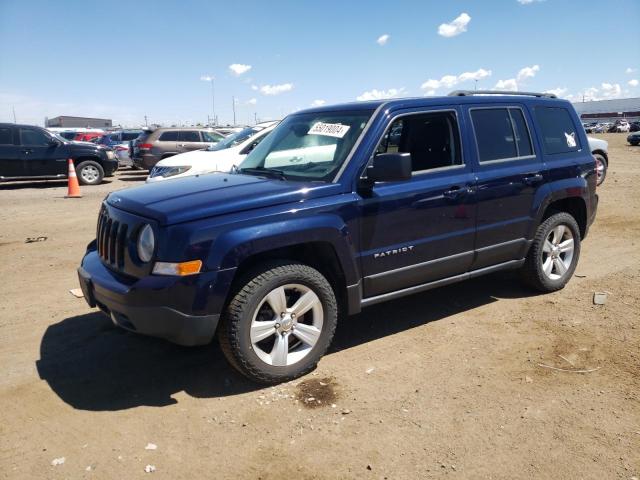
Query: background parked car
point(120, 142)
point(600, 151)
point(634, 139)
point(161, 143)
point(634, 127)
point(28, 152)
point(217, 158)
point(78, 134)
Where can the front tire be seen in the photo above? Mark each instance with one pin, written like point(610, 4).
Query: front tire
point(279, 323)
point(554, 253)
point(90, 173)
point(601, 168)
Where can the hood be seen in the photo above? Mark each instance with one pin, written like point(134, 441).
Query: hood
point(192, 198)
point(85, 146)
point(597, 144)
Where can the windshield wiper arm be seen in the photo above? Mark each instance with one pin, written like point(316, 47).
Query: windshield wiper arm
point(267, 172)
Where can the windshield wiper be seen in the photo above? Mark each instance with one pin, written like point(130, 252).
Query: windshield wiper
point(267, 172)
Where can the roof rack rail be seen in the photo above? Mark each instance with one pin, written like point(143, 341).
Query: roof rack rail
point(466, 93)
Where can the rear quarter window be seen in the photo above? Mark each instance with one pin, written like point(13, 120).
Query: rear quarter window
point(558, 132)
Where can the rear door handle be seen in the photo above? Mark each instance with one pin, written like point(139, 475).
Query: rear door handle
point(533, 179)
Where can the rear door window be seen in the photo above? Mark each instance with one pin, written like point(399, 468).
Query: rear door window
point(501, 134)
point(171, 136)
point(6, 136)
point(558, 131)
point(189, 136)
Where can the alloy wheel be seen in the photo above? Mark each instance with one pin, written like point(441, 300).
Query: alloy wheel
point(557, 252)
point(286, 324)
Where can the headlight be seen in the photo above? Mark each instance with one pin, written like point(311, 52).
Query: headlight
point(146, 243)
point(168, 171)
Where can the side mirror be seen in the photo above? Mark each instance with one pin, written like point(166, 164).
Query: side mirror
point(53, 142)
point(389, 167)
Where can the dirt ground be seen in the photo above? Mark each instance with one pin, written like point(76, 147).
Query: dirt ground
point(448, 383)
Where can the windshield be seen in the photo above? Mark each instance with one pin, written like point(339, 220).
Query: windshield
point(58, 137)
point(311, 146)
point(234, 139)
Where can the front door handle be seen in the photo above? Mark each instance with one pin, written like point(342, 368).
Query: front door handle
point(533, 179)
point(455, 192)
point(27, 151)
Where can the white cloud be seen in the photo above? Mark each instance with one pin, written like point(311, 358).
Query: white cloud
point(254, 88)
point(318, 103)
point(207, 78)
point(380, 94)
point(606, 91)
point(456, 27)
point(528, 72)
point(252, 101)
point(630, 70)
point(510, 85)
point(449, 81)
point(383, 39)
point(558, 92)
point(633, 83)
point(477, 75)
point(238, 68)
point(611, 90)
point(528, 2)
point(276, 89)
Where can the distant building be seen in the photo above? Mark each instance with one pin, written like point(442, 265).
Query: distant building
point(609, 110)
point(78, 122)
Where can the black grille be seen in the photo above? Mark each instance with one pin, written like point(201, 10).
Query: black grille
point(112, 240)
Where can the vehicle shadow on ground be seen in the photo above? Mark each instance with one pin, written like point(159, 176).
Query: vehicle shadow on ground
point(42, 184)
point(92, 365)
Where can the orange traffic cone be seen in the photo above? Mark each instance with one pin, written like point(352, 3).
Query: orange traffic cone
point(74, 187)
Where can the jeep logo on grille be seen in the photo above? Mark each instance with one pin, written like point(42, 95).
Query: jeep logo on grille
point(394, 251)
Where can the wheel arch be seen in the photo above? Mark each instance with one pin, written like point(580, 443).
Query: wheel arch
point(573, 205)
point(321, 241)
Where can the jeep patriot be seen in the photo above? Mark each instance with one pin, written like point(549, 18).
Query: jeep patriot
point(339, 208)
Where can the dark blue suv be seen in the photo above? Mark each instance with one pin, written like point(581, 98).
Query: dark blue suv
point(340, 208)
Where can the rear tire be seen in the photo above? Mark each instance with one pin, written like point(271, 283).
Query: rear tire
point(279, 323)
point(554, 254)
point(90, 173)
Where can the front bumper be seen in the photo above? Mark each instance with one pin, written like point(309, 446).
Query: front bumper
point(183, 310)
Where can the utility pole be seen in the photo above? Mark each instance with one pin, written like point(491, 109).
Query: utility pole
point(255, 118)
point(234, 109)
point(146, 123)
point(14, 113)
point(213, 101)
point(476, 85)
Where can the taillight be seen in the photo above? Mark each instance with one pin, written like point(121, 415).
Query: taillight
point(145, 146)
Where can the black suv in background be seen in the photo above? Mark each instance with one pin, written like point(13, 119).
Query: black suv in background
point(28, 152)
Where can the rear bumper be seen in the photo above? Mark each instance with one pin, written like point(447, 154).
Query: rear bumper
point(155, 305)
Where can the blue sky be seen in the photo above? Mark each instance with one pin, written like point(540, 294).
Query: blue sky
point(124, 60)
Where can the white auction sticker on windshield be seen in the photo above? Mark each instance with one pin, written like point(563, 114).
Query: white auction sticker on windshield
point(329, 129)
